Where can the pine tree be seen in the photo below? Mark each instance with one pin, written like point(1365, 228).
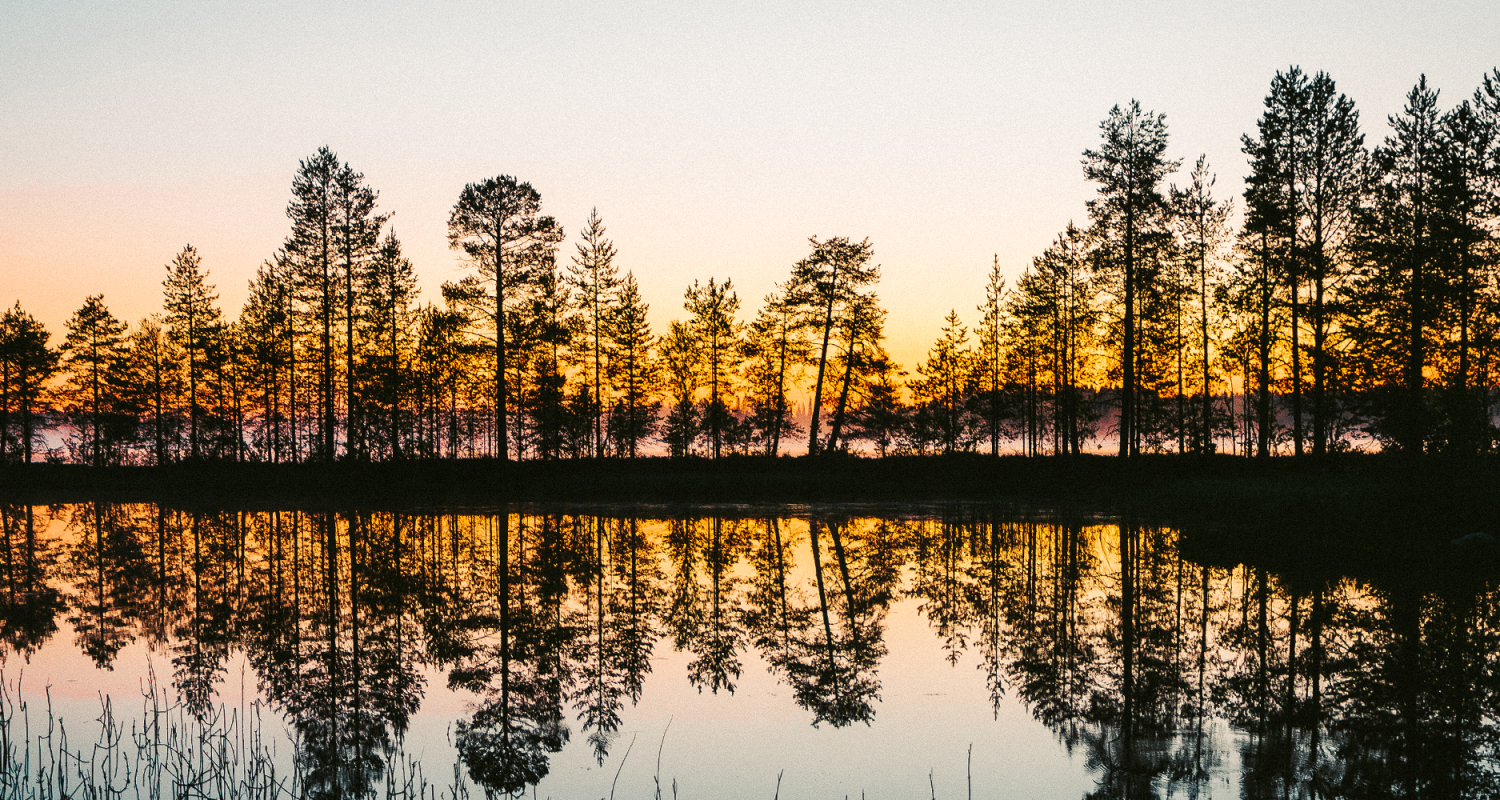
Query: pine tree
point(312, 249)
point(91, 353)
point(497, 224)
point(860, 331)
point(776, 349)
point(882, 418)
point(231, 360)
point(681, 356)
point(1053, 314)
point(194, 324)
point(946, 384)
point(389, 288)
point(1203, 229)
point(1333, 177)
point(356, 234)
point(26, 365)
point(439, 362)
point(823, 285)
point(1398, 283)
point(596, 283)
point(1285, 133)
point(632, 370)
point(1026, 332)
point(153, 385)
point(1467, 243)
point(990, 358)
point(1265, 240)
point(542, 334)
point(1129, 167)
point(713, 307)
point(265, 321)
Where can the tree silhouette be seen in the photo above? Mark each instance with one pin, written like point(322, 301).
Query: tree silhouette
point(946, 384)
point(1203, 223)
point(497, 223)
point(823, 285)
point(390, 289)
point(1358, 310)
point(990, 356)
point(29, 603)
point(833, 676)
point(712, 308)
point(681, 355)
point(106, 562)
point(356, 232)
point(90, 353)
point(1397, 285)
point(1129, 167)
point(507, 742)
point(26, 364)
point(1333, 177)
point(775, 350)
point(633, 371)
point(1054, 315)
point(312, 251)
point(860, 329)
point(595, 278)
point(194, 324)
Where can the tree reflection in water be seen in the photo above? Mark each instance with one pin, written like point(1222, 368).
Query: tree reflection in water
point(832, 674)
point(1140, 660)
point(29, 603)
point(706, 620)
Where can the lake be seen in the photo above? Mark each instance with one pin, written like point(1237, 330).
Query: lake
point(948, 651)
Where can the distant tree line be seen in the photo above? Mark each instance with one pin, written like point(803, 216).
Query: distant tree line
point(1356, 302)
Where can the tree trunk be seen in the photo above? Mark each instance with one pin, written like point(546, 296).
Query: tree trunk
point(817, 399)
point(1296, 369)
point(353, 447)
point(1208, 395)
point(1263, 423)
point(1320, 341)
point(780, 392)
point(838, 412)
point(502, 431)
point(1127, 357)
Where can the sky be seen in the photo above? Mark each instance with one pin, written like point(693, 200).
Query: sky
point(713, 138)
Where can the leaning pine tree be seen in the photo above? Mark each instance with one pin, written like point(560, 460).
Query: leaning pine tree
point(824, 285)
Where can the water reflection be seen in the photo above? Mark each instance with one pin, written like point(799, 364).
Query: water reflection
point(31, 601)
point(1134, 656)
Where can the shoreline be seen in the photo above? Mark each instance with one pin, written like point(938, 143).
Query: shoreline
point(1348, 513)
point(738, 479)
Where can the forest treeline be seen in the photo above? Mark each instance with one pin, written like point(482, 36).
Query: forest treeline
point(1355, 304)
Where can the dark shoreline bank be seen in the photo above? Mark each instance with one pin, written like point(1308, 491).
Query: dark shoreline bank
point(1144, 483)
point(1350, 513)
point(731, 479)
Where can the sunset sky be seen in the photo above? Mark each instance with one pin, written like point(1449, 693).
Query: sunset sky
point(713, 138)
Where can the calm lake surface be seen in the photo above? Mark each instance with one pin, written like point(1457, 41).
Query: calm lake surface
point(726, 652)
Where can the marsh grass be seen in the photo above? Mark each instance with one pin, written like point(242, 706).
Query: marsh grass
point(164, 750)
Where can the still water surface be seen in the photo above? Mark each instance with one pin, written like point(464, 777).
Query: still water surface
point(799, 652)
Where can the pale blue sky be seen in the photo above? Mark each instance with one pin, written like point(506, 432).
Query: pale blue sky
point(713, 138)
